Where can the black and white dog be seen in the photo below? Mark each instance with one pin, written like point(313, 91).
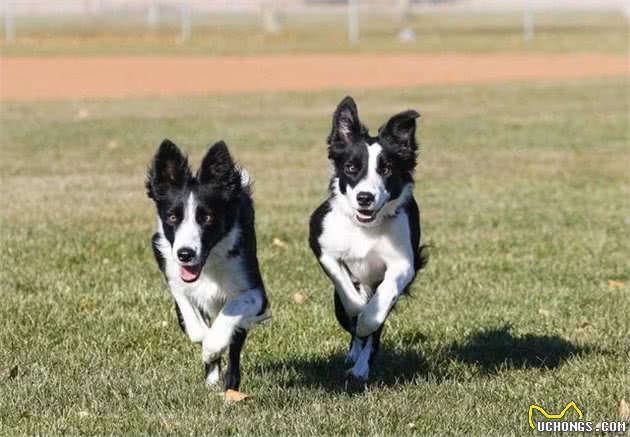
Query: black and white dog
point(205, 246)
point(366, 236)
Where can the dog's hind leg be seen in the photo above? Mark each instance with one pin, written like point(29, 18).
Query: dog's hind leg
point(361, 368)
point(356, 345)
point(365, 350)
point(232, 378)
point(376, 343)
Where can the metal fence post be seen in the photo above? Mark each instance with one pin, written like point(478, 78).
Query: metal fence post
point(528, 21)
point(270, 17)
point(185, 18)
point(353, 21)
point(9, 22)
point(153, 15)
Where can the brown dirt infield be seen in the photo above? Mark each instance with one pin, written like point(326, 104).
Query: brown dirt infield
point(68, 77)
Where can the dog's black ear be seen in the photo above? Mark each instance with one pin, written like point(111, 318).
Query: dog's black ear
point(219, 170)
point(400, 133)
point(169, 168)
point(346, 126)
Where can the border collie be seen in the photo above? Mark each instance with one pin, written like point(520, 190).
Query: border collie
point(205, 246)
point(366, 235)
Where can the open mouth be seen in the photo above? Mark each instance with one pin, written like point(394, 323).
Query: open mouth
point(366, 215)
point(190, 273)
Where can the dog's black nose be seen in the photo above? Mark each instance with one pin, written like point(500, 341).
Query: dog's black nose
point(365, 199)
point(185, 254)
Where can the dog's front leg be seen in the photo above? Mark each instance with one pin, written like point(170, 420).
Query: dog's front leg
point(397, 277)
point(194, 323)
point(352, 300)
point(240, 312)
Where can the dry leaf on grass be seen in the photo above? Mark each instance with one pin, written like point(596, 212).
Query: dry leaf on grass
point(614, 283)
point(235, 396)
point(279, 243)
point(299, 298)
point(624, 410)
point(86, 305)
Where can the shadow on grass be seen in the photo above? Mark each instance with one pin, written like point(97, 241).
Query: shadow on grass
point(490, 350)
point(497, 349)
point(329, 373)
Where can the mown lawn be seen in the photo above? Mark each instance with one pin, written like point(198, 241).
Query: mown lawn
point(241, 34)
point(524, 194)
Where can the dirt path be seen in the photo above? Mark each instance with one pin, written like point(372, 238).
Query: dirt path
point(67, 77)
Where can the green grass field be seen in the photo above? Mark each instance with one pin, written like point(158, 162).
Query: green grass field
point(242, 34)
point(524, 197)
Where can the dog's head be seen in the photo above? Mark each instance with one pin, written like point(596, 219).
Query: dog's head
point(194, 212)
point(371, 172)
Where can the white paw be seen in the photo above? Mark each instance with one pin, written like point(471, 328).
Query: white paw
point(361, 370)
point(362, 367)
point(367, 323)
point(212, 374)
point(213, 347)
point(355, 350)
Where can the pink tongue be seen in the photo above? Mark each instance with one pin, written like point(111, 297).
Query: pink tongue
point(188, 273)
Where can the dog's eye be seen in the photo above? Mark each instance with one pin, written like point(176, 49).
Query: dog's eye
point(208, 218)
point(387, 170)
point(172, 218)
point(351, 168)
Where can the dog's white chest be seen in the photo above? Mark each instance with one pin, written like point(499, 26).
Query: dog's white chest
point(366, 251)
point(221, 279)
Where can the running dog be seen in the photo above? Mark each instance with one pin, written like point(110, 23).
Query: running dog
point(205, 246)
point(366, 235)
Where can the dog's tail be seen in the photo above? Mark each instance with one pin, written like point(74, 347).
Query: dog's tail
point(422, 259)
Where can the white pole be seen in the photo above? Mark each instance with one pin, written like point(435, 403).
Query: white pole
point(184, 9)
point(353, 21)
point(153, 15)
point(9, 22)
point(270, 17)
point(528, 21)
point(406, 33)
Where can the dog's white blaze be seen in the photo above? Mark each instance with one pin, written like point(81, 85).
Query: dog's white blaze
point(188, 233)
point(372, 182)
